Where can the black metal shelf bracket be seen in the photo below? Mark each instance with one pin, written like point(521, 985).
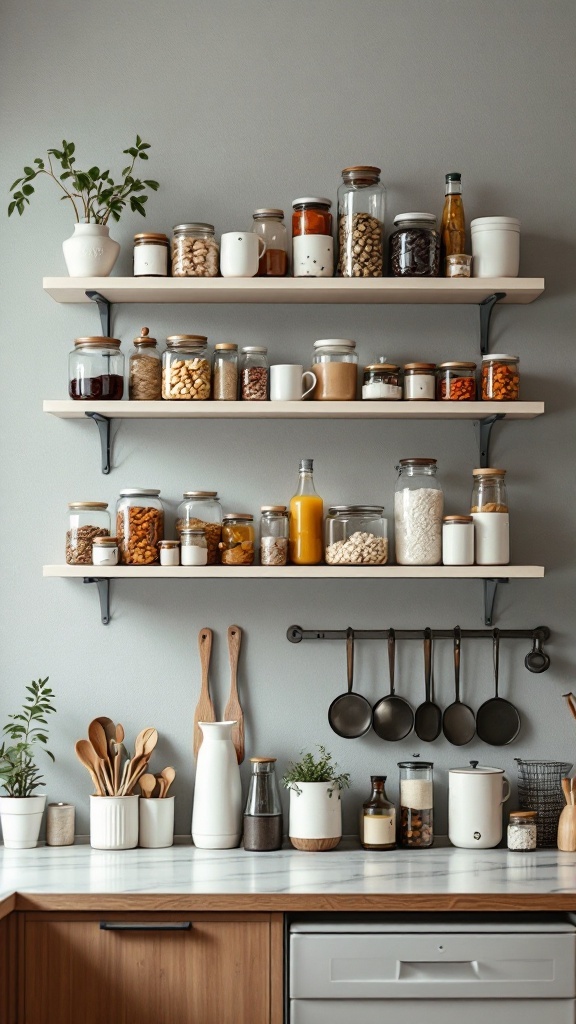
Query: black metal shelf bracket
point(104, 595)
point(104, 428)
point(486, 425)
point(486, 307)
point(105, 310)
point(490, 590)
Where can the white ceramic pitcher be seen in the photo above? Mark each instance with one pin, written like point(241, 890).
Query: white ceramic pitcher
point(217, 810)
point(475, 798)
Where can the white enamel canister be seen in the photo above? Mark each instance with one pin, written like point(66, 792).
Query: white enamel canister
point(475, 798)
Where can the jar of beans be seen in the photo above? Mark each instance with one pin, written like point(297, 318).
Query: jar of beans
point(96, 370)
point(415, 246)
point(237, 544)
point(500, 378)
point(86, 520)
point(254, 374)
point(201, 510)
point(194, 251)
point(185, 369)
point(361, 208)
point(416, 803)
point(139, 525)
point(225, 372)
point(456, 382)
point(145, 370)
point(312, 244)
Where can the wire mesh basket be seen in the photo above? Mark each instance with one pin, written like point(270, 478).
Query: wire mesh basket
point(540, 790)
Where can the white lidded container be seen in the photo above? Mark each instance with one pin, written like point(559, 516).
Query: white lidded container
point(458, 540)
point(475, 798)
point(495, 246)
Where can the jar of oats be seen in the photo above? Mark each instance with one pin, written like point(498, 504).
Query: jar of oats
point(194, 251)
point(201, 510)
point(237, 544)
point(139, 525)
point(186, 369)
point(274, 533)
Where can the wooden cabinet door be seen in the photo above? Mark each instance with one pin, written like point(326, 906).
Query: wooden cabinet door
point(8, 971)
point(145, 969)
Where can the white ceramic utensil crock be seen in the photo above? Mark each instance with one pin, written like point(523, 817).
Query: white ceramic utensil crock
point(156, 822)
point(475, 798)
point(114, 822)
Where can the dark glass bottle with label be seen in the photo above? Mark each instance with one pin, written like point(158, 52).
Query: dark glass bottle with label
point(453, 230)
point(378, 818)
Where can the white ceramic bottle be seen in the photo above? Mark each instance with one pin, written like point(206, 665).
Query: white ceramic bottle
point(217, 811)
point(475, 798)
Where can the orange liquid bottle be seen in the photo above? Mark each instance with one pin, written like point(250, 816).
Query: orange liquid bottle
point(306, 520)
point(453, 228)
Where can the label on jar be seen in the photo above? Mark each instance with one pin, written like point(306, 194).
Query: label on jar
point(381, 390)
point(104, 555)
point(312, 256)
point(419, 386)
point(150, 261)
point(379, 829)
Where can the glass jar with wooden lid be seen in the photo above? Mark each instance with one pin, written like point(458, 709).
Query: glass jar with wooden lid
point(151, 254)
point(522, 830)
point(269, 225)
point(274, 533)
point(381, 382)
point(86, 521)
point(456, 382)
point(186, 371)
point(335, 364)
point(489, 490)
point(225, 372)
point(237, 544)
point(195, 250)
point(420, 382)
point(145, 369)
point(203, 511)
point(96, 369)
point(361, 209)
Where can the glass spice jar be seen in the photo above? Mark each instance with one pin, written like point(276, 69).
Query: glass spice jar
point(415, 246)
point(500, 378)
point(458, 265)
point(86, 520)
point(263, 812)
point(361, 209)
point(356, 535)
point(522, 830)
point(420, 382)
point(254, 373)
point(378, 818)
point(151, 254)
point(456, 382)
point(237, 544)
point(381, 382)
point(274, 533)
point(139, 525)
point(416, 804)
point(202, 509)
point(185, 369)
point(194, 251)
point(225, 373)
point(269, 224)
point(335, 363)
point(145, 370)
point(312, 244)
point(193, 546)
point(96, 370)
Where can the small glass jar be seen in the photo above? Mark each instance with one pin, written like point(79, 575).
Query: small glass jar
point(269, 225)
point(86, 520)
point(194, 251)
point(458, 540)
point(335, 363)
point(418, 511)
point(151, 254)
point(312, 243)
point(381, 382)
point(202, 510)
point(378, 818)
point(274, 533)
point(263, 812)
point(420, 382)
point(361, 209)
point(237, 544)
point(96, 370)
point(139, 525)
point(522, 830)
point(254, 374)
point(356, 535)
point(225, 373)
point(105, 551)
point(416, 804)
point(489, 491)
point(145, 370)
point(456, 382)
point(489, 509)
point(169, 552)
point(185, 369)
point(458, 265)
point(193, 546)
point(415, 246)
point(500, 378)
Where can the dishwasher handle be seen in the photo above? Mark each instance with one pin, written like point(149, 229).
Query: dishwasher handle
point(438, 970)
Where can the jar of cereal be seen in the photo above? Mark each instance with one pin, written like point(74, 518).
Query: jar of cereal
point(237, 544)
point(274, 532)
point(202, 511)
point(194, 251)
point(185, 369)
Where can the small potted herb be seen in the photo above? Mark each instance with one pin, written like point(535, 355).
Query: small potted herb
point(21, 810)
point(315, 786)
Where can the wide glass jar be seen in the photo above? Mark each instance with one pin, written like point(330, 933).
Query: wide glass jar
point(522, 830)
point(381, 382)
point(202, 510)
point(254, 373)
point(263, 812)
point(361, 209)
point(456, 382)
point(356, 535)
point(416, 803)
point(500, 378)
point(145, 370)
point(335, 363)
point(194, 251)
point(312, 243)
point(269, 225)
point(274, 534)
point(489, 510)
point(193, 546)
point(225, 372)
point(415, 246)
point(151, 254)
point(139, 525)
point(420, 382)
point(237, 544)
point(418, 511)
point(96, 370)
point(185, 369)
point(86, 520)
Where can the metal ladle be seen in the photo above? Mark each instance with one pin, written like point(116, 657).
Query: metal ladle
point(350, 714)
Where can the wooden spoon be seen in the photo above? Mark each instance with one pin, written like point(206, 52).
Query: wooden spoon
point(566, 789)
point(167, 775)
point(204, 709)
point(569, 698)
point(85, 754)
point(97, 737)
point(147, 785)
point(233, 710)
point(144, 743)
point(117, 744)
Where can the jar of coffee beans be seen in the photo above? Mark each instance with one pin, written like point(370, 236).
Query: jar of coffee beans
point(415, 246)
point(361, 208)
point(416, 803)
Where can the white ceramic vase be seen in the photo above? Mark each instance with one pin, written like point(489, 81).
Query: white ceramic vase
point(90, 252)
point(217, 810)
point(315, 816)
point(156, 822)
point(114, 822)
point(21, 818)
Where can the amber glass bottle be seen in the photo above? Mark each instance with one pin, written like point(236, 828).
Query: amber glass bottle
point(453, 230)
point(378, 818)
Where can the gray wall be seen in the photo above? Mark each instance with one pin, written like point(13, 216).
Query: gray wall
point(247, 105)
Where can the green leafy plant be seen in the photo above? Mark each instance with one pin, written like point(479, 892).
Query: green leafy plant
point(310, 769)
point(18, 772)
point(93, 193)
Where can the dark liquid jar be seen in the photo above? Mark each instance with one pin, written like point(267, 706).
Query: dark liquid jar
point(263, 814)
point(96, 370)
point(415, 246)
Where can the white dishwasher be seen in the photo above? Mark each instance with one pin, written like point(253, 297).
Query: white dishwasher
point(441, 970)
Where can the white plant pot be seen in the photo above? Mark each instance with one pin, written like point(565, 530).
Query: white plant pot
point(90, 252)
point(21, 818)
point(156, 822)
point(217, 812)
point(315, 816)
point(114, 822)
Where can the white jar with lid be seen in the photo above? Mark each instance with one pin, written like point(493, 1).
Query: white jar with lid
point(458, 540)
point(495, 246)
point(194, 548)
point(475, 798)
point(169, 552)
point(420, 382)
point(105, 551)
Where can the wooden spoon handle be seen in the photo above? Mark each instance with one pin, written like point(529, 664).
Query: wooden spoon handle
point(205, 648)
point(205, 708)
point(566, 790)
point(233, 710)
point(569, 698)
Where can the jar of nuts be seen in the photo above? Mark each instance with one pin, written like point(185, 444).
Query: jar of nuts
point(194, 251)
point(185, 369)
point(86, 520)
point(145, 370)
point(274, 533)
point(456, 382)
point(237, 544)
point(254, 374)
point(139, 525)
point(500, 378)
point(201, 510)
point(416, 803)
point(361, 208)
point(356, 535)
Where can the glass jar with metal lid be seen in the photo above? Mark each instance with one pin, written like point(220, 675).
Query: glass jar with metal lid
point(274, 533)
point(335, 363)
point(263, 812)
point(356, 535)
point(145, 370)
point(151, 254)
point(254, 373)
point(193, 546)
point(420, 382)
point(202, 511)
point(381, 382)
point(416, 803)
point(522, 830)
point(225, 372)
point(361, 209)
point(312, 243)
point(194, 251)
point(269, 225)
point(185, 369)
point(500, 378)
point(456, 382)
point(139, 525)
point(237, 544)
point(86, 520)
point(418, 510)
point(96, 370)
point(415, 246)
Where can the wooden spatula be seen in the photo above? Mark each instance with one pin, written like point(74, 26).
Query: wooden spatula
point(204, 709)
point(233, 710)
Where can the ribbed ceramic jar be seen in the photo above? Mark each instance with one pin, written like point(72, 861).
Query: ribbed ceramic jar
point(114, 822)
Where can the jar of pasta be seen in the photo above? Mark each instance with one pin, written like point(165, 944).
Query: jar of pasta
point(139, 525)
point(201, 510)
point(237, 544)
point(185, 369)
point(456, 382)
point(312, 244)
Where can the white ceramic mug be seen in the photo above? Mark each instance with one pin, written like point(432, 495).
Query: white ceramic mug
point(288, 382)
point(240, 253)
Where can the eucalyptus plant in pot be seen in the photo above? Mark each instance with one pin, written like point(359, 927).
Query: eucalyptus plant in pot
point(315, 786)
point(21, 810)
point(95, 197)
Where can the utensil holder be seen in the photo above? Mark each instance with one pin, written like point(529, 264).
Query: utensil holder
point(567, 830)
point(156, 822)
point(114, 822)
point(540, 790)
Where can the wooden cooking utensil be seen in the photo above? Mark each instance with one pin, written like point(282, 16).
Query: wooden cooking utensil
point(204, 709)
point(97, 737)
point(571, 702)
point(567, 820)
point(233, 710)
point(566, 789)
point(167, 775)
point(147, 784)
point(85, 754)
point(141, 741)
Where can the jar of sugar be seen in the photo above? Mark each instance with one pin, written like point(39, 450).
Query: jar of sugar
point(418, 511)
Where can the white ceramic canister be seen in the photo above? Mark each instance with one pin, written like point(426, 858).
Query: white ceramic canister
point(475, 798)
point(217, 810)
point(105, 551)
point(495, 246)
point(458, 540)
point(21, 818)
point(491, 538)
point(156, 822)
point(315, 811)
point(114, 822)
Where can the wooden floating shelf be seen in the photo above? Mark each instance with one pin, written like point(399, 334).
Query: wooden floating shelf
point(298, 572)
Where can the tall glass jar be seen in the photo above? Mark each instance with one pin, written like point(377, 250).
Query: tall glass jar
point(356, 535)
point(415, 246)
point(418, 511)
point(86, 520)
point(263, 813)
point(225, 372)
point(269, 225)
point(489, 510)
point(139, 525)
point(274, 533)
point(335, 363)
point(145, 370)
point(312, 243)
point(361, 209)
point(96, 370)
point(194, 251)
point(378, 818)
point(254, 373)
point(416, 803)
point(185, 369)
point(202, 511)
point(237, 544)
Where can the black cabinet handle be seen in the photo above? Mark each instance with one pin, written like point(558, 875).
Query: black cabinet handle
point(145, 926)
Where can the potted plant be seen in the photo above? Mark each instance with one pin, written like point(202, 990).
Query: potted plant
point(315, 801)
point(95, 197)
point(21, 811)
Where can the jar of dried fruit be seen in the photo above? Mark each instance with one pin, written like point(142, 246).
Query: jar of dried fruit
point(139, 525)
point(237, 544)
point(456, 382)
point(274, 533)
point(185, 369)
point(312, 243)
point(194, 251)
point(86, 520)
point(145, 370)
point(96, 370)
point(361, 209)
point(254, 373)
point(500, 378)
point(225, 372)
point(202, 511)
